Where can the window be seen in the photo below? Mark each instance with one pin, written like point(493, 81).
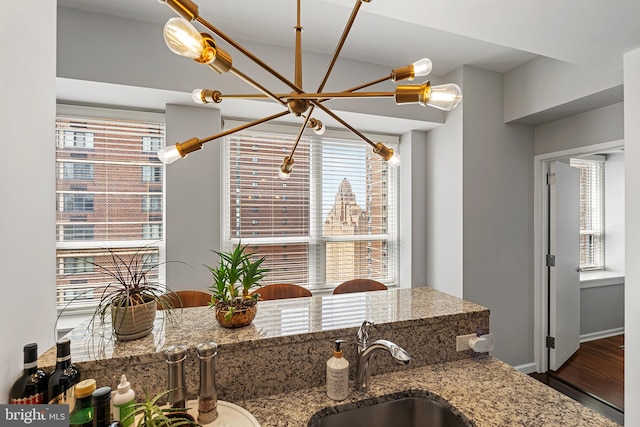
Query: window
point(103, 203)
point(591, 212)
point(77, 171)
point(152, 143)
point(152, 173)
point(152, 203)
point(334, 220)
point(77, 138)
point(73, 202)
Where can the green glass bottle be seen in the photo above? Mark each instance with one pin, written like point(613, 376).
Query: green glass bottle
point(82, 414)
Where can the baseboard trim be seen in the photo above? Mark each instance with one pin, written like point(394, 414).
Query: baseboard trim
point(527, 368)
point(601, 334)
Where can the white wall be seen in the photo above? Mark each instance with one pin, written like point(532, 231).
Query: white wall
point(614, 212)
point(498, 215)
point(27, 219)
point(632, 247)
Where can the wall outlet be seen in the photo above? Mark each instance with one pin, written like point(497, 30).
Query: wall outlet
point(462, 340)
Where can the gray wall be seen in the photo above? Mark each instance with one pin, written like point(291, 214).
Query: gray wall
point(632, 225)
point(27, 217)
point(443, 188)
point(614, 215)
point(498, 215)
point(193, 199)
point(601, 309)
point(593, 127)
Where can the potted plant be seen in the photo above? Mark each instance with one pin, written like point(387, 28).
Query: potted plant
point(233, 280)
point(130, 299)
point(151, 414)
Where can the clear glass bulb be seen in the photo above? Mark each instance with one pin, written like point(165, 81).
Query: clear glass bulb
point(196, 95)
point(320, 129)
point(283, 175)
point(169, 154)
point(395, 160)
point(445, 97)
point(183, 38)
point(422, 67)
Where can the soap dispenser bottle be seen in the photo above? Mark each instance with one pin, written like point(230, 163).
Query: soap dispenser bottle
point(338, 374)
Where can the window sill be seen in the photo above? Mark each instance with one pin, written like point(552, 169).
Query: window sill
point(594, 279)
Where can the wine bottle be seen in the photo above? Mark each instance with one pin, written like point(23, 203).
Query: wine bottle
point(31, 387)
point(63, 379)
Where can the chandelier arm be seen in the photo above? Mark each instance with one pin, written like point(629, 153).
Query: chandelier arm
point(345, 124)
point(298, 52)
point(343, 38)
point(257, 85)
point(244, 126)
point(248, 54)
point(302, 128)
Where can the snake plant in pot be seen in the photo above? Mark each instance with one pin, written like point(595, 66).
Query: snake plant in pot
point(233, 279)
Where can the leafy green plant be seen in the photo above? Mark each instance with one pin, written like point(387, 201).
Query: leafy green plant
point(130, 284)
point(153, 415)
point(234, 278)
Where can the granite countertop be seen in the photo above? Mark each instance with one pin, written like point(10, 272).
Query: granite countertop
point(483, 389)
point(277, 322)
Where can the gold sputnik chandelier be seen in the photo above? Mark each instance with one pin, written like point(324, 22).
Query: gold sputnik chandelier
point(184, 39)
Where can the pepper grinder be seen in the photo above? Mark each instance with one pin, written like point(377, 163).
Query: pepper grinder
point(175, 356)
point(208, 394)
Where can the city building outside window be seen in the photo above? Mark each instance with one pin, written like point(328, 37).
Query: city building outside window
point(110, 193)
point(592, 256)
point(334, 219)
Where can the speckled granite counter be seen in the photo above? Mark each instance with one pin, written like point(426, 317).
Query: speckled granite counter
point(484, 391)
point(293, 337)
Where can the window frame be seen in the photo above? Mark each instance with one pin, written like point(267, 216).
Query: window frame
point(596, 202)
point(89, 244)
point(315, 240)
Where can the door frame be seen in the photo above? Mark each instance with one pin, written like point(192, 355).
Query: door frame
point(541, 241)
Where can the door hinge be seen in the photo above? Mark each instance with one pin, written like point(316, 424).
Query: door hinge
point(551, 260)
point(551, 179)
point(551, 342)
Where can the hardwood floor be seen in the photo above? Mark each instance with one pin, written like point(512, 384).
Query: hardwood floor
point(594, 376)
point(597, 368)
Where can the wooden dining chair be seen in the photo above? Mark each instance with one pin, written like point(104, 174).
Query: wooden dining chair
point(184, 299)
point(281, 291)
point(359, 285)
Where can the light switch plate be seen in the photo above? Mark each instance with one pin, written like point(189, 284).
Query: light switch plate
point(462, 340)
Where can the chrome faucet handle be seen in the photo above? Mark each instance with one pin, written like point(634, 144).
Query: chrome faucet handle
point(363, 334)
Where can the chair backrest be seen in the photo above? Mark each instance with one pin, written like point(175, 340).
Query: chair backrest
point(359, 285)
point(282, 291)
point(185, 299)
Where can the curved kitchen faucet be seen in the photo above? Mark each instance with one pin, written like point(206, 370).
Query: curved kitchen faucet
point(366, 352)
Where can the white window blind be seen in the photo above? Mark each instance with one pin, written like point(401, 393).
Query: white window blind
point(110, 198)
point(591, 212)
point(333, 219)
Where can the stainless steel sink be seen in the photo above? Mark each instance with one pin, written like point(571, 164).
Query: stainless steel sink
point(403, 412)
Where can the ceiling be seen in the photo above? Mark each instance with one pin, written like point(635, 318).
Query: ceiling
point(496, 35)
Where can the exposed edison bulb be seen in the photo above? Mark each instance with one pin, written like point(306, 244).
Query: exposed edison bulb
point(394, 160)
point(183, 39)
point(422, 67)
point(286, 167)
point(445, 97)
point(317, 126)
point(169, 154)
point(196, 95)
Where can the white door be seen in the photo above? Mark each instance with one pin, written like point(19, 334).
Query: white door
point(564, 278)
